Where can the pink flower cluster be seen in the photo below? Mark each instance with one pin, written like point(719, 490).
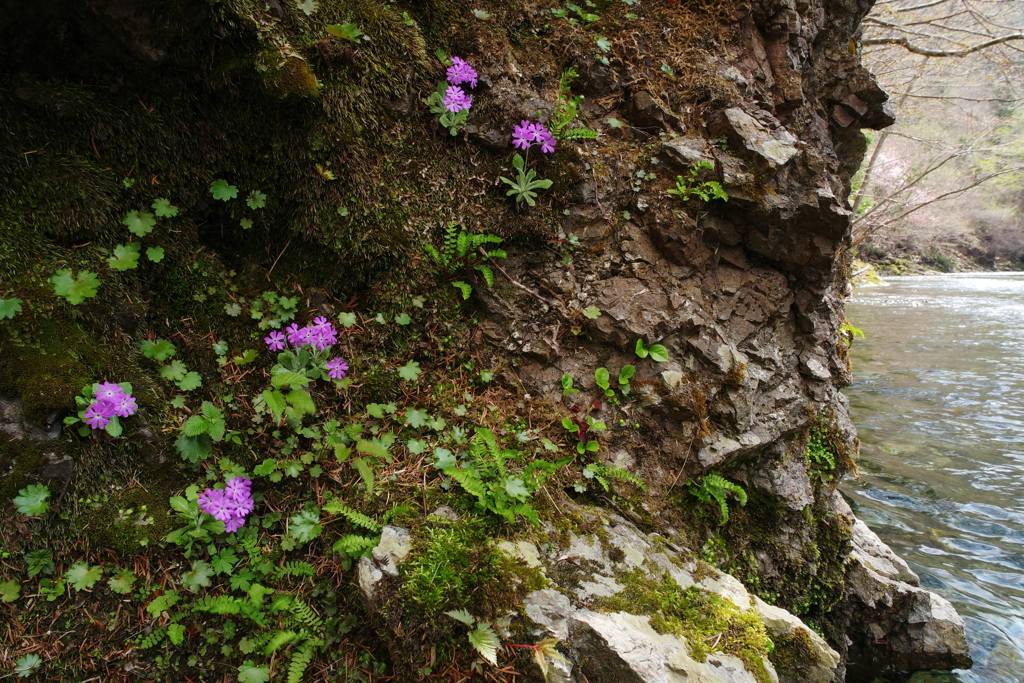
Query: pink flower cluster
point(455, 98)
point(319, 334)
point(230, 504)
point(110, 400)
point(527, 133)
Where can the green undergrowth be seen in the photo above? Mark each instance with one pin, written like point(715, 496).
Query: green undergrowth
point(707, 622)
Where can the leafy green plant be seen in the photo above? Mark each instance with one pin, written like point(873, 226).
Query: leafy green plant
point(9, 308)
point(26, 664)
point(199, 527)
point(199, 432)
point(39, 562)
point(706, 190)
point(483, 638)
point(582, 427)
point(496, 489)
point(603, 474)
point(75, 288)
point(9, 591)
point(461, 250)
point(525, 186)
point(819, 454)
point(453, 121)
point(566, 111)
point(848, 332)
point(139, 223)
point(626, 374)
point(273, 310)
point(713, 487)
point(657, 352)
point(164, 209)
point(125, 257)
point(31, 500)
point(222, 190)
point(346, 31)
point(82, 577)
point(567, 387)
point(159, 350)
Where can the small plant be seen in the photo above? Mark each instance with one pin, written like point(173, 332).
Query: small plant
point(713, 487)
point(273, 310)
point(75, 288)
point(582, 427)
point(848, 332)
point(819, 454)
point(26, 664)
point(195, 442)
point(567, 387)
point(345, 31)
point(461, 250)
point(449, 100)
point(101, 406)
point(483, 638)
point(525, 186)
point(567, 109)
point(603, 474)
point(31, 500)
point(230, 504)
point(706, 190)
point(657, 352)
point(9, 308)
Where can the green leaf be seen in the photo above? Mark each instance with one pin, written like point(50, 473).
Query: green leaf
point(246, 358)
point(374, 449)
point(246, 223)
point(288, 378)
point(250, 673)
point(256, 200)
point(195, 425)
point(75, 289)
point(222, 191)
point(162, 603)
point(626, 373)
point(25, 664)
point(346, 31)
point(515, 487)
point(301, 401)
point(194, 448)
point(602, 378)
point(122, 581)
point(31, 500)
point(126, 257)
point(570, 425)
point(9, 308)
point(224, 561)
point(640, 350)
point(198, 576)
point(416, 446)
point(304, 526)
point(83, 577)
point(159, 350)
point(462, 615)
point(485, 641)
point(190, 381)
point(603, 44)
point(39, 561)
point(375, 410)
point(466, 290)
point(257, 593)
point(347, 319)
point(176, 633)
point(9, 590)
point(410, 371)
point(178, 401)
point(366, 472)
point(275, 401)
point(658, 353)
point(163, 208)
point(403, 319)
point(174, 371)
point(140, 223)
point(591, 312)
point(416, 418)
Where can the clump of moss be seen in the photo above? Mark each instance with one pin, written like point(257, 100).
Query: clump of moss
point(707, 622)
point(293, 78)
point(128, 520)
point(792, 651)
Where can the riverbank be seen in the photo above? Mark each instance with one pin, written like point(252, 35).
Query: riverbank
point(905, 255)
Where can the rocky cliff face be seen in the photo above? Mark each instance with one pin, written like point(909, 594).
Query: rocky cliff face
point(744, 295)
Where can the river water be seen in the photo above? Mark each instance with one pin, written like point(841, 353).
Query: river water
point(938, 400)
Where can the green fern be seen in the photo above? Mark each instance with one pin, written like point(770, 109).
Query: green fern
point(300, 660)
point(818, 451)
point(713, 487)
point(305, 615)
point(354, 546)
point(153, 639)
point(567, 109)
point(603, 473)
point(218, 604)
point(297, 568)
point(579, 134)
point(334, 506)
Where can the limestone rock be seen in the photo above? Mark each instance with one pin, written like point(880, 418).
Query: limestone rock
point(395, 544)
point(814, 661)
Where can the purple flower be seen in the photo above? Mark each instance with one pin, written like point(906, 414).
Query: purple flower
point(96, 417)
point(546, 140)
point(337, 368)
point(107, 391)
point(461, 72)
point(522, 135)
point(297, 336)
point(322, 333)
point(125, 406)
point(230, 504)
point(455, 99)
point(275, 341)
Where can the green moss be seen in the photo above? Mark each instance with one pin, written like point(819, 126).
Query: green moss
point(127, 520)
point(19, 458)
point(792, 652)
point(293, 78)
point(707, 622)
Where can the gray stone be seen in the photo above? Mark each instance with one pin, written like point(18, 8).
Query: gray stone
point(776, 147)
point(550, 609)
point(395, 544)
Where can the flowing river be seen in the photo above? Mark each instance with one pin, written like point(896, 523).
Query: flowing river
point(938, 400)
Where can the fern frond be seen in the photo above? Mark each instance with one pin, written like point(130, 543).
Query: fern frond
point(296, 568)
point(469, 480)
point(305, 614)
point(357, 518)
point(353, 545)
point(218, 604)
point(300, 660)
point(579, 134)
point(153, 639)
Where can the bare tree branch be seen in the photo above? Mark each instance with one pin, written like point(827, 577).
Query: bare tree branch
point(917, 50)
